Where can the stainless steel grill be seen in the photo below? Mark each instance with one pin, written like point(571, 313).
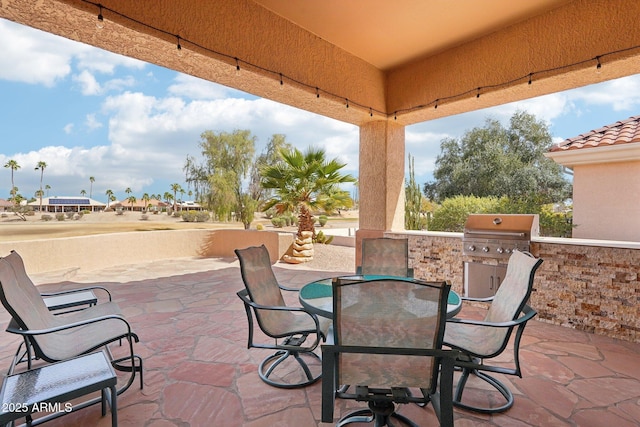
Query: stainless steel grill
point(497, 235)
point(487, 244)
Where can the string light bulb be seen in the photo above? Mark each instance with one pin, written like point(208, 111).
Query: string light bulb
point(179, 46)
point(435, 107)
point(478, 94)
point(347, 101)
point(598, 65)
point(100, 21)
point(281, 82)
point(317, 92)
point(530, 78)
point(237, 66)
point(370, 112)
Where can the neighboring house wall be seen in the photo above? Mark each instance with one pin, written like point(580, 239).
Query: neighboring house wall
point(606, 201)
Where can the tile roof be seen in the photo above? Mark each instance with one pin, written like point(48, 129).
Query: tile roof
point(622, 132)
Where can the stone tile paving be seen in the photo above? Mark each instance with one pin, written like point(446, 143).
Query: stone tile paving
point(198, 371)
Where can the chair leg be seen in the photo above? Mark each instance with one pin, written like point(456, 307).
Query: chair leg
point(499, 386)
point(380, 413)
point(269, 364)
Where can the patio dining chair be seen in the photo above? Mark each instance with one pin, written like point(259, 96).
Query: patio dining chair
point(288, 326)
point(57, 338)
point(482, 340)
point(385, 256)
point(387, 351)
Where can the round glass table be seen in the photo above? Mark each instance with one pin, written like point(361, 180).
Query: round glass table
point(317, 297)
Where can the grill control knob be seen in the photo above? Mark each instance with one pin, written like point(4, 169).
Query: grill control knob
point(500, 250)
point(485, 249)
point(471, 248)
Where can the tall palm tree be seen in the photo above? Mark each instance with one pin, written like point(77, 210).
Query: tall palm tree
point(132, 200)
point(145, 199)
point(47, 187)
point(41, 166)
point(91, 180)
point(108, 193)
point(14, 166)
point(175, 188)
point(303, 181)
point(83, 192)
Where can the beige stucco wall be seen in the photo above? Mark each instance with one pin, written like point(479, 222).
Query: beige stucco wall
point(606, 201)
point(88, 253)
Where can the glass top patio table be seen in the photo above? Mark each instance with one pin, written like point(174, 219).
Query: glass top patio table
point(317, 297)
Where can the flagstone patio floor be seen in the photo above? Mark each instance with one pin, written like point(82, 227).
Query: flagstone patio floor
point(198, 371)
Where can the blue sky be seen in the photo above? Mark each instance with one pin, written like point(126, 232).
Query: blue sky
point(88, 112)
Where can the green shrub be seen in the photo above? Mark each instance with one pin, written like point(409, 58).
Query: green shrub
point(322, 220)
point(60, 216)
point(453, 212)
point(278, 222)
point(85, 211)
point(46, 217)
point(322, 238)
point(259, 227)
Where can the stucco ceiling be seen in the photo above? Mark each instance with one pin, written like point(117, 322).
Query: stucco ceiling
point(389, 33)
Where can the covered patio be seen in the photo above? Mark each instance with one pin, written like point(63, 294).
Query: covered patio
point(199, 372)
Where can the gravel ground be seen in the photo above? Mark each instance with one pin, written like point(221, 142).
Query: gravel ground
point(328, 257)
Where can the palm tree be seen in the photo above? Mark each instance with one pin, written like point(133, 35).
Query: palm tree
point(128, 191)
point(132, 200)
point(83, 192)
point(91, 180)
point(145, 199)
point(14, 166)
point(108, 193)
point(41, 166)
point(47, 187)
point(175, 188)
point(303, 182)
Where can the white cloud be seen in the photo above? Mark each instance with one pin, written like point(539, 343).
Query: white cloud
point(194, 88)
point(620, 94)
point(68, 128)
point(92, 123)
point(88, 83)
point(34, 57)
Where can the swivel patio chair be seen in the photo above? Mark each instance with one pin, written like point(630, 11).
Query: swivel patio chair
point(480, 340)
point(387, 351)
point(56, 338)
point(263, 298)
point(385, 257)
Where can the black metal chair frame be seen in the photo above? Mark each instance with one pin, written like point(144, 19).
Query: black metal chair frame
point(474, 364)
point(382, 401)
point(131, 363)
point(291, 344)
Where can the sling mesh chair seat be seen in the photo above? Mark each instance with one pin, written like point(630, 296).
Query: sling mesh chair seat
point(386, 257)
point(263, 298)
point(480, 340)
point(56, 338)
point(387, 351)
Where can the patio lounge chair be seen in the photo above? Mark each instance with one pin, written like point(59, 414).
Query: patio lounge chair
point(58, 338)
point(480, 340)
point(388, 338)
point(262, 296)
point(385, 256)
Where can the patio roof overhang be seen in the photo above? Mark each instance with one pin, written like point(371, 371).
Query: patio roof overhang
point(386, 60)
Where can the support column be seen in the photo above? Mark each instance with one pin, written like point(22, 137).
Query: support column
point(381, 180)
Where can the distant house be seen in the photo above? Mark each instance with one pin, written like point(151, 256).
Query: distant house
point(68, 204)
point(5, 205)
point(606, 180)
point(139, 205)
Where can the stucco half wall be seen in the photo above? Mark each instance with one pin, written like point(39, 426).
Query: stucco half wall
point(106, 250)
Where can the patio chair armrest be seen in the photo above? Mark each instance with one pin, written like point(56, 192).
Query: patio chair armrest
point(15, 329)
point(528, 312)
point(470, 299)
point(434, 352)
point(244, 296)
point(287, 288)
point(71, 291)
